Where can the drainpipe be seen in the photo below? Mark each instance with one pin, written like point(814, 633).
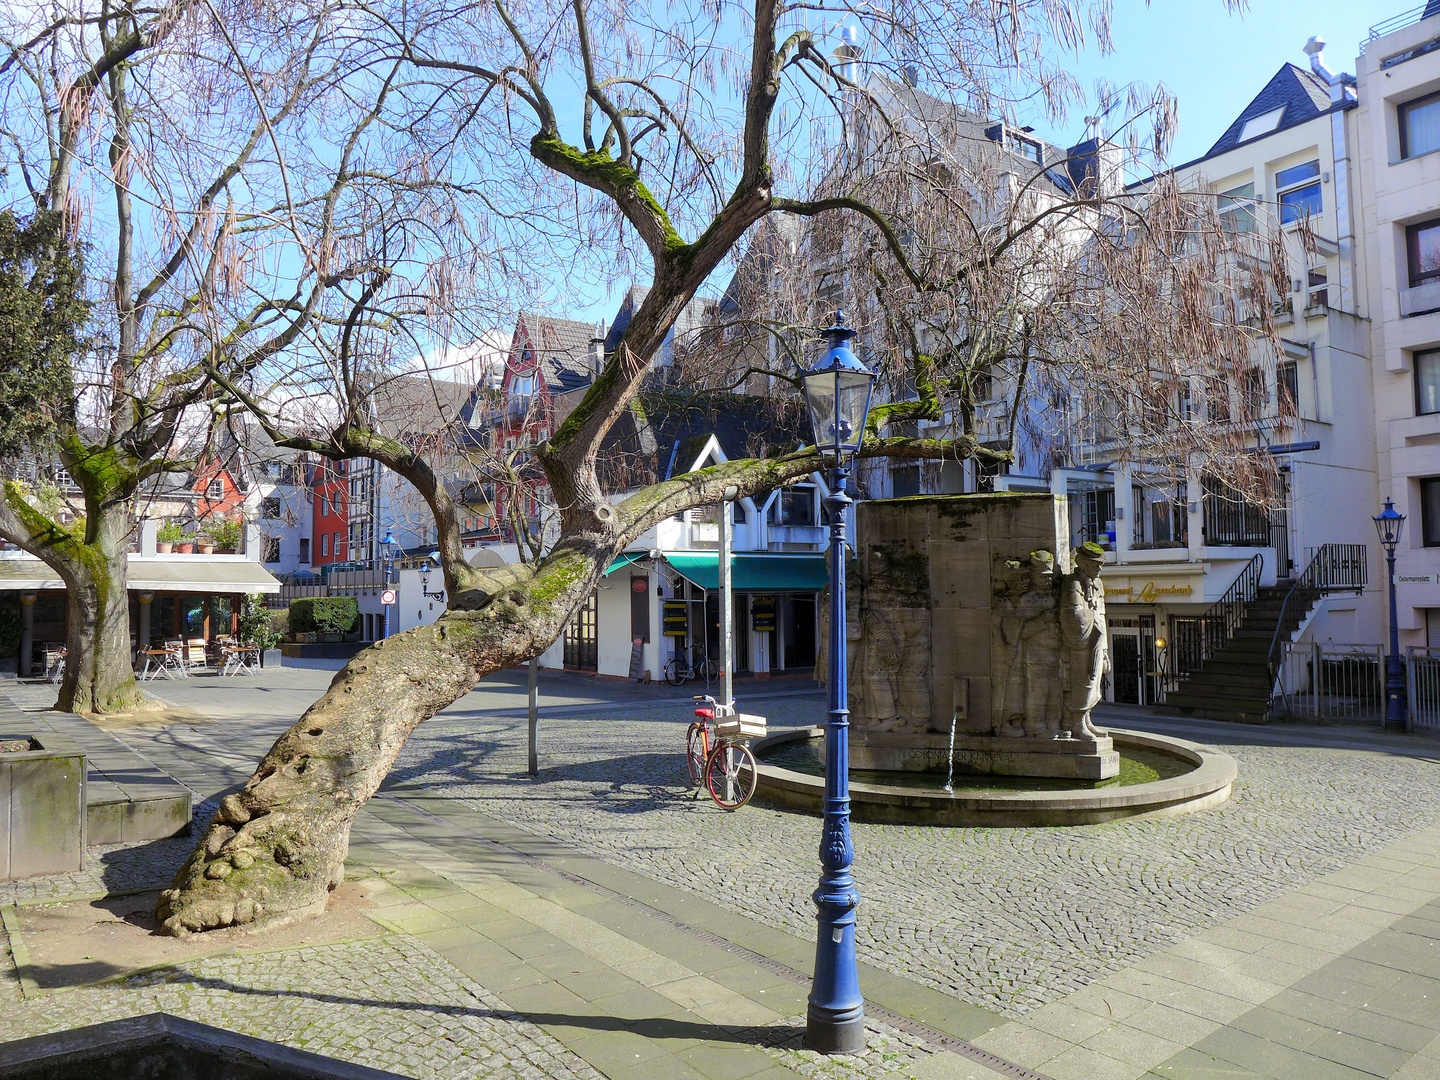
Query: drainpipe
point(1340, 93)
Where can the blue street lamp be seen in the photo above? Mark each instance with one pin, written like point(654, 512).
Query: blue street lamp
point(387, 554)
point(1389, 523)
point(837, 391)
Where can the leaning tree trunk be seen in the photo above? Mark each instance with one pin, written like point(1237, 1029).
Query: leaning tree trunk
point(99, 670)
point(277, 847)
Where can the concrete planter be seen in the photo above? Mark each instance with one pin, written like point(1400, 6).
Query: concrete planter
point(42, 807)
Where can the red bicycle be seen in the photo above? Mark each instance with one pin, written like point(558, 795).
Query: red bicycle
point(717, 753)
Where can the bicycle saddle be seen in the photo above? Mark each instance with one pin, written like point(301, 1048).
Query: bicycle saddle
point(707, 714)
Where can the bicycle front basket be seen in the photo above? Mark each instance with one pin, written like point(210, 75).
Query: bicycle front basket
point(740, 726)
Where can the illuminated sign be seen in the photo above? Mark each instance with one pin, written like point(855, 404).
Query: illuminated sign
point(1133, 592)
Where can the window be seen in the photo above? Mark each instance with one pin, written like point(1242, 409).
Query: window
point(270, 508)
point(1317, 291)
point(1422, 245)
point(905, 479)
point(1287, 382)
point(796, 505)
point(272, 549)
point(1427, 382)
point(1430, 511)
point(216, 490)
point(1252, 390)
point(1236, 208)
point(324, 545)
point(1298, 191)
point(1028, 148)
point(1420, 126)
point(305, 549)
point(339, 540)
point(1261, 125)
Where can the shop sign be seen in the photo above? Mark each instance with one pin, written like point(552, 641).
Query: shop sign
point(1147, 592)
point(762, 613)
point(676, 623)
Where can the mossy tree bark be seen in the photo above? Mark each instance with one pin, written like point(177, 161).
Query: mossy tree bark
point(278, 845)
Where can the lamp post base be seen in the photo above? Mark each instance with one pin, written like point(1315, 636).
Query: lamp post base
point(828, 1032)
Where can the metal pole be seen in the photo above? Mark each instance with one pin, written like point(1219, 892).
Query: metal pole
point(1395, 713)
point(835, 1018)
point(727, 628)
point(534, 716)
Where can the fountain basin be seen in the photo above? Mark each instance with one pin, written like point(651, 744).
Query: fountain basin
point(1205, 781)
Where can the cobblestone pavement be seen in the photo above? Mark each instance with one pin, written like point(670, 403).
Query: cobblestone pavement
point(112, 869)
point(389, 1003)
point(1006, 919)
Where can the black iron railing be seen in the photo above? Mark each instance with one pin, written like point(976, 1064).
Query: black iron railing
point(1197, 638)
point(1332, 568)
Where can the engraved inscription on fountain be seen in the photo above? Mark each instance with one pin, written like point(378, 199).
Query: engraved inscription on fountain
point(976, 639)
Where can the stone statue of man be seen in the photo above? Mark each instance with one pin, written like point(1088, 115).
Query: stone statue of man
point(1027, 656)
point(1083, 637)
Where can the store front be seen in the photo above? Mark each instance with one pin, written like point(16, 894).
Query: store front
point(1145, 607)
point(775, 608)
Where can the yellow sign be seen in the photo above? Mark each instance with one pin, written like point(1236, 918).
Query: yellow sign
point(1147, 593)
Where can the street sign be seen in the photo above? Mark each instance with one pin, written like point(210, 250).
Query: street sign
point(388, 596)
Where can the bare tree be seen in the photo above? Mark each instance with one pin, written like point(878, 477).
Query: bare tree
point(220, 172)
point(681, 138)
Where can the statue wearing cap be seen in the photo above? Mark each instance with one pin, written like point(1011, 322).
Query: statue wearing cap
point(1083, 637)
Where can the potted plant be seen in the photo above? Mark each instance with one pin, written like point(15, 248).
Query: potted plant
point(227, 535)
point(167, 536)
point(257, 626)
point(186, 546)
point(204, 544)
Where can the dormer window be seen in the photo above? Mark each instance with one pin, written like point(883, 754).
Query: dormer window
point(216, 491)
point(1261, 125)
point(1027, 148)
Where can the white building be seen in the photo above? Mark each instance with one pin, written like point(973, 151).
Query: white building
point(1398, 159)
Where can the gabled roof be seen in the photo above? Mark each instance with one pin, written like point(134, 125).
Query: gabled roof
point(1302, 94)
point(562, 346)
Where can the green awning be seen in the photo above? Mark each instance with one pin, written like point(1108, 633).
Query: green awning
point(624, 559)
point(754, 572)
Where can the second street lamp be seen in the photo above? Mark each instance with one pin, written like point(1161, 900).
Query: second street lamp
point(1390, 523)
point(837, 392)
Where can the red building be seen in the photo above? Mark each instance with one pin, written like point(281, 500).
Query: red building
point(330, 503)
point(551, 363)
point(220, 495)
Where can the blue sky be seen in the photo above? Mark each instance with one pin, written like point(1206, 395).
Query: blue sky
point(1214, 63)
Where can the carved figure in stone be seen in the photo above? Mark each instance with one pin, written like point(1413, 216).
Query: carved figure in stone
point(1026, 659)
point(1082, 631)
point(890, 683)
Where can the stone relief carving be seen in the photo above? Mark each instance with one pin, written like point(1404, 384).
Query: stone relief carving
point(1025, 662)
point(1083, 635)
point(889, 669)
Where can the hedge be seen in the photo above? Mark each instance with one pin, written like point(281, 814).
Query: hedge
point(324, 614)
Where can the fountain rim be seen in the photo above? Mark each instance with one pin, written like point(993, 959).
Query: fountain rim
point(1205, 785)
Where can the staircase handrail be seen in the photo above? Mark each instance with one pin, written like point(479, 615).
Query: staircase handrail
point(1224, 616)
point(1319, 579)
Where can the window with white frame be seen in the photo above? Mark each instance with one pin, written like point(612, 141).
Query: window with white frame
point(1419, 126)
point(324, 545)
point(1236, 208)
point(1297, 190)
point(1427, 382)
point(216, 490)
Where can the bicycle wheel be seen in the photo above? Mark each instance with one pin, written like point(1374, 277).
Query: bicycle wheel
point(695, 754)
point(707, 670)
point(675, 671)
point(730, 775)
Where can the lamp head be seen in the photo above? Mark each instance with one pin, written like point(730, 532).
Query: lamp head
point(1389, 524)
point(837, 393)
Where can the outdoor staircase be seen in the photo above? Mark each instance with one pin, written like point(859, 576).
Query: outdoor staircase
point(1234, 684)
point(1248, 628)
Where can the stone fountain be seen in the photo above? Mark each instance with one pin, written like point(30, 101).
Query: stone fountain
point(976, 639)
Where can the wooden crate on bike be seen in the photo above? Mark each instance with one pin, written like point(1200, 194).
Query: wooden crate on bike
point(740, 726)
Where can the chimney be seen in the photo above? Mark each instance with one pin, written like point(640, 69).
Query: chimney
point(597, 347)
point(1339, 84)
point(1097, 167)
point(910, 73)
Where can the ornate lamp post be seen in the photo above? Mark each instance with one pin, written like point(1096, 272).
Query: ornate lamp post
point(387, 555)
point(1389, 523)
point(837, 391)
